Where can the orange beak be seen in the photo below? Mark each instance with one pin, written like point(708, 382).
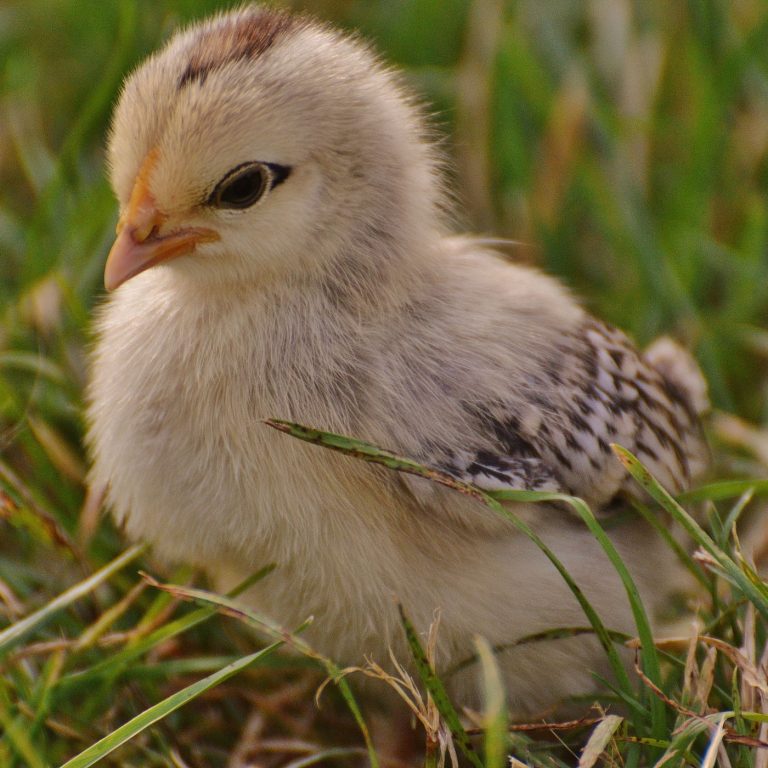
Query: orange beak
point(139, 245)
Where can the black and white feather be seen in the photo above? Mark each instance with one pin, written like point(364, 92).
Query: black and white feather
point(617, 395)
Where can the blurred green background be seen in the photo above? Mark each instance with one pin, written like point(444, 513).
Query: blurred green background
point(622, 145)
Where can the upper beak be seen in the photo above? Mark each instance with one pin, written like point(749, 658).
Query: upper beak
point(139, 245)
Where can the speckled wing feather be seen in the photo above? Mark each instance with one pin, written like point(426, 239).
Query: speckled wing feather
point(605, 392)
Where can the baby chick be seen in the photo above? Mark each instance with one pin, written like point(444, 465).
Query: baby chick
point(283, 251)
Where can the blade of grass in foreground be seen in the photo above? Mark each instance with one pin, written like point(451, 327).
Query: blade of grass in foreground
point(556, 633)
point(359, 449)
point(755, 591)
point(436, 689)
point(114, 665)
point(262, 623)
point(127, 731)
point(648, 651)
point(495, 715)
point(724, 489)
point(17, 631)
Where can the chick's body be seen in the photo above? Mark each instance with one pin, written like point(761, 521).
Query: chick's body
point(337, 299)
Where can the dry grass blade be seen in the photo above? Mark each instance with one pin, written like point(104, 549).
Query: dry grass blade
point(566, 725)
point(730, 734)
point(424, 662)
point(109, 617)
point(753, 676)
point(599, 740)
point(713, 748)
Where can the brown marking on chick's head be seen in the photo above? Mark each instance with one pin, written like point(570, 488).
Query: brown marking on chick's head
point(244, 36)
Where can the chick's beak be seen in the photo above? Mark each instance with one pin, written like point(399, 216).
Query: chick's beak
point(139, 244)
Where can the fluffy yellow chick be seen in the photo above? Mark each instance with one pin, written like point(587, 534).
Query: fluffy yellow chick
point(283, 251)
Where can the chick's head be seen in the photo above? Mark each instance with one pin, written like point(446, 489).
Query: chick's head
point(262, 144)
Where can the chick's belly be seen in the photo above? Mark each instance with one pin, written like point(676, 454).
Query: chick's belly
point(502, 589)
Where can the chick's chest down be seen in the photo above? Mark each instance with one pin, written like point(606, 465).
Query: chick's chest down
point(281, 253)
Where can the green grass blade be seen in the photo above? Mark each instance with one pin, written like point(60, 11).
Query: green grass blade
point(669, 539)
point(230, 608)
point(325, 756)
point(724, 489)
point(113, 666)
point(729, 524)
point(545, 635)
point(645, 633)
point(436, 689)
point(756, 592)
point(15, 730)
point(495, 713)
point(367, 452)
point(17, 631)
point(601, 632)
point(125, 732)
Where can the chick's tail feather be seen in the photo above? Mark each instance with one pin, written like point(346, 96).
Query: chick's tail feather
point(681, 372)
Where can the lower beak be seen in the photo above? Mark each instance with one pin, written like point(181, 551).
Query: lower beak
point(131, 254)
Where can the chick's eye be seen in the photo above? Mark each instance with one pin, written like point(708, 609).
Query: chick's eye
point(241, 188)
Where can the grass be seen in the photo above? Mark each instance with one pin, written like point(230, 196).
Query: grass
point(626, 146)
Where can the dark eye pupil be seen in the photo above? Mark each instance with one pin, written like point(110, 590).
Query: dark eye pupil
point(243, 190)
